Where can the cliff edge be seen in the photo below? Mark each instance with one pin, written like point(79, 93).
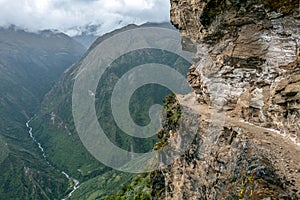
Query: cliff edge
point(246, 81)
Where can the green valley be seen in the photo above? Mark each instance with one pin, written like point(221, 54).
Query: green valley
point(30, 63)
point(55, 128)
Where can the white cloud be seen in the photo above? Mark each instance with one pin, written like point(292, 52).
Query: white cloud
point(136, 5)
point(64, 14)
point(42, 5)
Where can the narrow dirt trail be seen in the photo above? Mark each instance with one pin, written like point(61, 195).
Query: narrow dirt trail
point(206, 112)
point(283, 152)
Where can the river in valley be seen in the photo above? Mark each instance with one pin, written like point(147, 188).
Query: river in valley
point(76, 183)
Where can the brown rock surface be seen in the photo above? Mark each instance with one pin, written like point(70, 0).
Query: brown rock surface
point(247, 95)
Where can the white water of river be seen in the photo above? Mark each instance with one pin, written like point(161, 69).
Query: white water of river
point(76, 183)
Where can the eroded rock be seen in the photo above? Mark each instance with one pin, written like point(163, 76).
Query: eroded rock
point(247, 68)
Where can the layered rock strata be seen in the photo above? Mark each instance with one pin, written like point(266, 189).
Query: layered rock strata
point(246, 81)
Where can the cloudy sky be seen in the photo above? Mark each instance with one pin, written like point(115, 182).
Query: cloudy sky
point(65, 14)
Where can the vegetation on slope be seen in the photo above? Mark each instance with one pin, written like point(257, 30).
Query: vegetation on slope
point(56, 130)
point(151, 185)
point(30, 63)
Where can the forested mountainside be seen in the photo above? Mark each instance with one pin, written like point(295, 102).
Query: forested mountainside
point(30, 64)
point(246, 96)
point(55, 129)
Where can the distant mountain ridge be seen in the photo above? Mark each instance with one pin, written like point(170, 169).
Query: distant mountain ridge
point(34, 60)
point(88, 34)
point(30, 63)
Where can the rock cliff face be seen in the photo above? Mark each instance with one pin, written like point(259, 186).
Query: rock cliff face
point(246, 81)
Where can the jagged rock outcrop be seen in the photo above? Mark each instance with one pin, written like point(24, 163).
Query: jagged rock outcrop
point(251, 50)
point(246, 79)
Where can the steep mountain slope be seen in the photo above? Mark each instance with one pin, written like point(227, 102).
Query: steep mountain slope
point(246, 95)
point(55, 128)
point(85, 39)
point(30, 63)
